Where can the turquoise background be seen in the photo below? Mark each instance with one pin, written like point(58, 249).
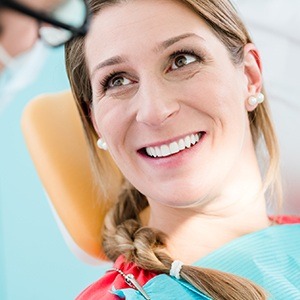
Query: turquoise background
point(35, 262)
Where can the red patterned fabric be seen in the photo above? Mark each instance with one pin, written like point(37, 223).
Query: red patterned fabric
point(285, 219)
point(102, 288)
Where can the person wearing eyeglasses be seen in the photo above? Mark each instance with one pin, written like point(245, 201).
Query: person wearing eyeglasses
point(31, 64)
point(26, 26)
point(22, 22)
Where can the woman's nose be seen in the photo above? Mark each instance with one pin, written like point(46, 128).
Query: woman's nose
point(157, 103)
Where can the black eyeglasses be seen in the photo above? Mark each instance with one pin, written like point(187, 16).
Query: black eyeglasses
point(59, 24)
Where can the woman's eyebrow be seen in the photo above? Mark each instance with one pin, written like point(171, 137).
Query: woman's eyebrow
point(173, 40)
point(115, 60)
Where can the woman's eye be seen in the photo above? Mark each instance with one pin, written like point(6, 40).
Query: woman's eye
point(182, 60)
point(118, 81)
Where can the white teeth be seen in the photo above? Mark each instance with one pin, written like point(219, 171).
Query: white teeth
point(174, 147)
point(149, 152)
point(181, 144)
point(152, 151)
point(165, 151)
point(187, 142)
point(158, 151)
point(193, 140)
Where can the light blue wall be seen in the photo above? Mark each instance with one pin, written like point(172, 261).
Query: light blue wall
point(35, 263)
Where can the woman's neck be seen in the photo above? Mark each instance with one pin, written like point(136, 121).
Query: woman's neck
point(193, 234)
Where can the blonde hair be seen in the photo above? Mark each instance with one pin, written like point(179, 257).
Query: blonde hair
point(123, 233)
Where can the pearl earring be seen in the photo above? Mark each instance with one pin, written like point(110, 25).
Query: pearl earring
point(255, 100)
point(102, 144)
point(260, 98)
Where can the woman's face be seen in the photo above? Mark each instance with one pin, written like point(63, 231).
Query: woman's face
point(167, 100)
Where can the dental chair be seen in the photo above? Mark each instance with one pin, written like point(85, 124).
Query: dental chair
point(54, 136)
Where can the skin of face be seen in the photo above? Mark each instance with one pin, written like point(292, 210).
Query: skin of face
point(168, 76)
point(18, 32)
point(42, 5)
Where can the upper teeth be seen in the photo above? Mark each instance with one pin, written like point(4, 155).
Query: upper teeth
point(174, 147)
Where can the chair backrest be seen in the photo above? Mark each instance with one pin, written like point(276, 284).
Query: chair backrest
point(57, 145)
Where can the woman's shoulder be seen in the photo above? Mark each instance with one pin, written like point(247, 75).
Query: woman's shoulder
point(114, 279)
point(286, 219)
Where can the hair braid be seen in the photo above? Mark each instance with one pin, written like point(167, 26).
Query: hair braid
point(146, 247)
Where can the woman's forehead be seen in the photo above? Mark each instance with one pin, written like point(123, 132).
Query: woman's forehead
point(143, 24)
point(142, 16)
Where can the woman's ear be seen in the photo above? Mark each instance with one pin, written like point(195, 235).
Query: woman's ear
point(253, 73)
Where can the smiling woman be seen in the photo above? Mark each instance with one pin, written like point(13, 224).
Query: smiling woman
point(173, 90)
